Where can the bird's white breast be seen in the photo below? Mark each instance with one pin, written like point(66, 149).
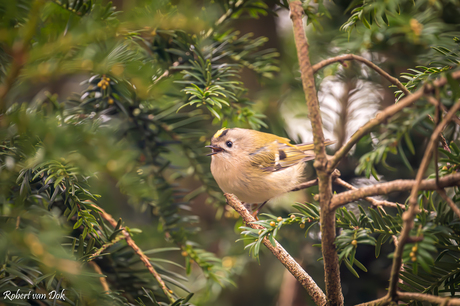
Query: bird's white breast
point(250, 185)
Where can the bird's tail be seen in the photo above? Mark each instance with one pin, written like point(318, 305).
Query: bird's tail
point(309, 145)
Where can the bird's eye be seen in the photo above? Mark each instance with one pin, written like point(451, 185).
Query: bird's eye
point(229, 144)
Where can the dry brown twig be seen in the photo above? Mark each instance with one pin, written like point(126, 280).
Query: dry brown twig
point(409, 215)
point(449, 201)
point(373, 201)
point(139, 252)
point(350, 57)
point(290, 263)
point(435, 102)
point(415, 296)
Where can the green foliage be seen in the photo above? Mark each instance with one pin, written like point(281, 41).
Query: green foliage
point(156, 81)
point(126, 126)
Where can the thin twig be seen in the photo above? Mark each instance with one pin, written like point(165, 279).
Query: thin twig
point(436, 167)
point(381, 301)
point(314, 182)
point(305, 185)
point(415, 296)
point(373, 201)
point(409, 215)
point(105, 246)
point(102, 279)
point(449, 201)
point(284, 257)
point(139, 252)
point(383, 116)
point(436, 103)
point(396, 185)
point(224, 17)
point(395, 240)
point(327, 216)
point(349, 57)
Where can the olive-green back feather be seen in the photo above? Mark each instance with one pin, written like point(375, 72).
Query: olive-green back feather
point(280, 154)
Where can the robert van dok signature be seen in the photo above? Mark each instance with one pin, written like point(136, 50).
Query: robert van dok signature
point(30, 295)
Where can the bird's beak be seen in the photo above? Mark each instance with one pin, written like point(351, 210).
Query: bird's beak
point(215, 149)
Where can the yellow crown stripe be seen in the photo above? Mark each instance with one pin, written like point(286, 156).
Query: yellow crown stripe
point(219, 132)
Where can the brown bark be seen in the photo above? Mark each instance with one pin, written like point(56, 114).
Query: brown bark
point(327, 215)
point(290, 263)
point(409, 215)
point(397, 185)
point(139, 252)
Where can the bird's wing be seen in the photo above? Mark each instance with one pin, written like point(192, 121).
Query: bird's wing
point(277, 156)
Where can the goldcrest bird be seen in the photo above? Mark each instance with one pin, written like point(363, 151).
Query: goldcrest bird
point(257, 166)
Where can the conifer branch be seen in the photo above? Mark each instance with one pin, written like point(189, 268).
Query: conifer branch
point(349, 57)
point(105, 246)
point(409, 215)
point(139, 252)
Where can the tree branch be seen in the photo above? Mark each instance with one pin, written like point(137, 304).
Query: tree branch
point(436, 103)
point(327, 216)
point(381, 117)
point(373, 201)
point(296, 270)
point(381, 301)
point(305, 185)
point(314, 182)
point(409, 215)
point(442, 300)
point(102, 279)
point(139, 252)
point(397, 185)
point(105, 246)
point(349, 57)
point(449, 201)
point(415, 296)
